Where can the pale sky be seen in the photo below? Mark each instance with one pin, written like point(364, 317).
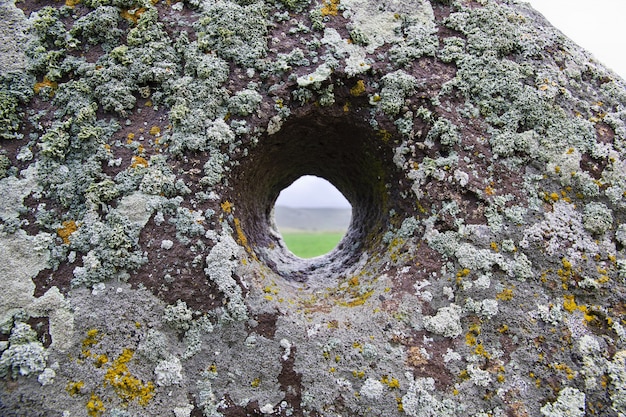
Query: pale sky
point(312, 192)
point(599, 26)
point(596, 25)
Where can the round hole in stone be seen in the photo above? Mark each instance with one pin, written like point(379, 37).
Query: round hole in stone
point(312, 216)
point(345, 150)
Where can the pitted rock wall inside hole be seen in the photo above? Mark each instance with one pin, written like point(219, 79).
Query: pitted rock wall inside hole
point(339, 147)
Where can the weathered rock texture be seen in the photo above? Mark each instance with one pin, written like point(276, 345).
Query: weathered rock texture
point(143, 145)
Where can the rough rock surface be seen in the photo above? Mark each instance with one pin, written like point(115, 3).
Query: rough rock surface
point(143, 145)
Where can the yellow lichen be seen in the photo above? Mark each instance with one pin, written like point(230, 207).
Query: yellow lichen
point(73, 388)
point(570, 374)
point(132, 15)
point(384, 135)
point(46, 83)
point(481, 351)
point(505, 295)
point(400, 406)
point(227, 206)
point(100, 360)
point(67, 228)
point(330, 7)
point(569, 303)
point(358, 89)
point(95, 407)
point(155, 130)
point(91, 340)
point(463, 273)
point(471, 337)
point(358, 374)
point(566, 264)
point(241, 237)
point(392, 383)
point(127, 386)
point(138, 161)
point(256, 382)
point(360, 300)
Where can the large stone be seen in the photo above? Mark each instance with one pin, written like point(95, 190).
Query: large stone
point(143, 145)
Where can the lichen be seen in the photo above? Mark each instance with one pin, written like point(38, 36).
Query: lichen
point(235, 32)
point(597, 218)
point(447, 321)
point(244, 102)
point(168, 372)
point(570, 402)
point(127, 386)
point(146, 142)
point(25, 355)
point(220, 267)
point(397, 86)
point(422, 400)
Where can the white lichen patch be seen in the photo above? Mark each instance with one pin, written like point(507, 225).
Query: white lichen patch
point(422, 399)
point(380, 26)
point(169, 372)
point(25, 355)
point(372, 389)
point(221, 264)
point(571, 402)
point(447, 321)
point(21, 259)
point(13, 191)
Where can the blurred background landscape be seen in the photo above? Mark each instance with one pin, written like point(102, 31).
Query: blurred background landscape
point(312, 216)
point(310, 232)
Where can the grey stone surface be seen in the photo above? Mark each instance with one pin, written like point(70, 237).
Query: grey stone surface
point(142, 148)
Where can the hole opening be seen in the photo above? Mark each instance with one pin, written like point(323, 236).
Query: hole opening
point(347, 152)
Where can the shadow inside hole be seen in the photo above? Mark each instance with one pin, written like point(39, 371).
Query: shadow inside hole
point(312, 216)
point(349, 154)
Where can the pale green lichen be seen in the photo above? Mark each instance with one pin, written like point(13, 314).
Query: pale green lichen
point(447, 321)
point(397, 86)
point(617, 372)
point(178, 316)
point(115, 250)
point(597, 218)
point(221, 264)
point(25, 355)
point(5, 163)
point(244, 102)
point(99, 27)
point(419, 40)
point(570, 402)
point(235, 32)
point(422, 400)
point(445, 132)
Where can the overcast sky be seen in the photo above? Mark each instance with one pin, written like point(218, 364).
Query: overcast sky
point(599, 26)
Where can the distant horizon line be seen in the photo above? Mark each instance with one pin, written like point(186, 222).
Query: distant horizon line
point(314, 207)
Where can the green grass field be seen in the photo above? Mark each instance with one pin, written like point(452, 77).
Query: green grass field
point(310, 244)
